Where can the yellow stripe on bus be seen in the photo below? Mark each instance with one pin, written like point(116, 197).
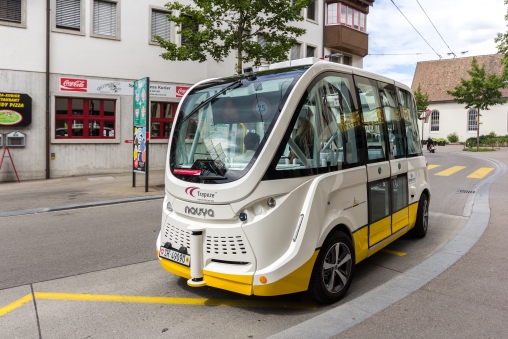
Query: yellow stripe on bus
point(432, 166)
point(480, 173)
point(450, 171)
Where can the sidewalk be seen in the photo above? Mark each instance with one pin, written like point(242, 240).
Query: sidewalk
point(78, 190)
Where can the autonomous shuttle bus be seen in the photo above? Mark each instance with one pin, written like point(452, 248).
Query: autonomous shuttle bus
point(282, 181)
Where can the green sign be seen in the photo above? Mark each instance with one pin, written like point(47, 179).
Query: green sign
point(141, 88)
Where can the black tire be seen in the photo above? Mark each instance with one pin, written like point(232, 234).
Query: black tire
point(422, 218)
point(328, 285)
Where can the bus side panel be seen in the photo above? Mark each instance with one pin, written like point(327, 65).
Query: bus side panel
point(361, 242)
point(413, 211)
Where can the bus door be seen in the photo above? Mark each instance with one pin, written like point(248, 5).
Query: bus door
point(378, 165)
point(397, 156)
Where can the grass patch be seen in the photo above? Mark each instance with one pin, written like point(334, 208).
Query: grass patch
point(481, 149)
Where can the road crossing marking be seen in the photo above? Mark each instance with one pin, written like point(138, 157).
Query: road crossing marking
point(480, 173)
point(432, 166)
point(450, 171)
point(303, 304)
point(397, 253)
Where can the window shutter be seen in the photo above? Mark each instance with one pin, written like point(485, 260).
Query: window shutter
point(10, 10)
point(160, 25)
point(68, 14)
point(104, 18)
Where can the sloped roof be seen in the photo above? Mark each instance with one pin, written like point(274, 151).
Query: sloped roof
point(438, 76)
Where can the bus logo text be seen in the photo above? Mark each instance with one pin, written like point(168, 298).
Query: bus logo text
point(199, 211)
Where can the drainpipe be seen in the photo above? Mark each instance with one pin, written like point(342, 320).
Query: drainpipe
point(48, 23)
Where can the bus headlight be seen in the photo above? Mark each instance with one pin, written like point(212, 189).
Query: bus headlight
point(169, 207)
point(271, 202)
point(243, 216)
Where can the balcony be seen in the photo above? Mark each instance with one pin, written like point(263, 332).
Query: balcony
point(346, 39)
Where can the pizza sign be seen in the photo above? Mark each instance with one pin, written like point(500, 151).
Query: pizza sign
point(15, 109)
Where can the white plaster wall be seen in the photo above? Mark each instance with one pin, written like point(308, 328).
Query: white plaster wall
point(453, 118)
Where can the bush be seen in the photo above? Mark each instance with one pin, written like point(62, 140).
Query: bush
point(453, 137)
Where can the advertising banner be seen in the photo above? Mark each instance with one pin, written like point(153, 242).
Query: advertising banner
point(95, 86)
point(15, 109)
point(141, 117)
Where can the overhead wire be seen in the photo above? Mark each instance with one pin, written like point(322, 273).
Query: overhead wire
point(454, 55)
point(440, 57)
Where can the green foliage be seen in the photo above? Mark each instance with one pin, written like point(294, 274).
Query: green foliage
point(422, 101)
point(226, 26)
point(440, 141)
point(479, 92)
point(478, 150)
point(502, 48)
point(453, 137)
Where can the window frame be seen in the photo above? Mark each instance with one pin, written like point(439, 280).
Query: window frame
point(316, 12)
point(360, 19)
point(85, 140)
point(22, 23)
point(118, 17)
point(171, 25)
point(291, 51)
point(56, 29)
point(307, 46)
point(161, 121)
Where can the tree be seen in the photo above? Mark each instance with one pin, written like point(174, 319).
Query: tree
point(502, 48)
point(229, 25)
point(422, 101)
point(479, 92)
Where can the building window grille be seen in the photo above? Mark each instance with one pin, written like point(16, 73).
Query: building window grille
point(10, 10)
point(160, 25)
point(68, 14)
point(472, 120)
point(104, 18)
point(434, 121)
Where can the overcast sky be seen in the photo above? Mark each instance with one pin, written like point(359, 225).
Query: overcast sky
point(465, 25)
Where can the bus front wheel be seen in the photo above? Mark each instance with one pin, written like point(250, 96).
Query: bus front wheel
point(333, 271)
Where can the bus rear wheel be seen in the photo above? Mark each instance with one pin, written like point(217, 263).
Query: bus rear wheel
point(422, 217)
point(333, 271)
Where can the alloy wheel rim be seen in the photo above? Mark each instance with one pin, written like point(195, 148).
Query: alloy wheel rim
point(425, 215)
point(337, 267)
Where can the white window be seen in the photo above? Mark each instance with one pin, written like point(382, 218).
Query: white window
point(362, 22)
point(13, 13)
point(68, 16)
point(343, 10)
point(296, 51)
point(332, 14)
point(160, 25)
point(434, 121)
point(106, 20)
point(472, 120)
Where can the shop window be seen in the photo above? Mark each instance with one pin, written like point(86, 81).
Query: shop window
point(77, 118)
point(160, 25)
point(105, 18)
point(162, 116)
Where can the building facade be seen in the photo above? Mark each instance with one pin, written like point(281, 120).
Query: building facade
point(447, 116)
point(80, 81)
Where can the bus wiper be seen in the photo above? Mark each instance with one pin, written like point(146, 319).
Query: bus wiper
point(234, 85)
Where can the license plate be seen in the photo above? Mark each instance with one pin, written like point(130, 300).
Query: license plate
point(175, 256)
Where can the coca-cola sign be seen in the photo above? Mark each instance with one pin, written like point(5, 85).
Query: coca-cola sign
point(180, 91)
point(73, 85)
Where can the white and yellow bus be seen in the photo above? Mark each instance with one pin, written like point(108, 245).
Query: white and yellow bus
point(282, 181)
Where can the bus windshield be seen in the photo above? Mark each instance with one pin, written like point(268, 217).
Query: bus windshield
point(223, 125)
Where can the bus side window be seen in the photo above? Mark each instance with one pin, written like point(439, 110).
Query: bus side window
point(329, 110)
point(393, 120)
point(408, 113)
point(373, 118)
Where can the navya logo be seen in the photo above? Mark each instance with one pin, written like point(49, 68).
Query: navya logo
point(200, 211)
point(196, 193)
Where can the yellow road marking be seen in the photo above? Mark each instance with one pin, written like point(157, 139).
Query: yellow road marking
point(18, 303)
point(399, 254)
point(303, 304)
point(432, 166)
point(450, 171)
point(480, 173)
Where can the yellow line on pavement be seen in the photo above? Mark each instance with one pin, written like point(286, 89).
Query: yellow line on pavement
point(450, 171)
point(399, 254)
point(432, 166)
point(18, 303)
point(176, 301)
point(480, 173)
